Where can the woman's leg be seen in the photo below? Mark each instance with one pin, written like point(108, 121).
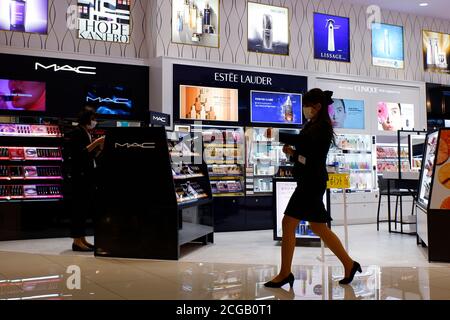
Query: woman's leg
point(287, 247)
point(335, 245)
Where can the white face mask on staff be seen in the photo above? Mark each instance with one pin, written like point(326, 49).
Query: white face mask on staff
point(311, 112)
point(92, 125)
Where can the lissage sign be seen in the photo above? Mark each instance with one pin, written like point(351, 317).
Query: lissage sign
point(104, 20)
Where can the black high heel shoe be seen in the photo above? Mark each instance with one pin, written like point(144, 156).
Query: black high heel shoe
point(290, 279)
point(356, 268)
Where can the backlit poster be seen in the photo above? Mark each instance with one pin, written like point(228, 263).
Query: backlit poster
point(440, 197)
point(395, 116)
point(268, 29)
point(436, 51)
point(24, 16)
point(276, 107)
point(17, 95)
point(207, 103)
point(331, 37)
point(104, 20)
point(196, 22)
point(387, 46)
point(347, 114)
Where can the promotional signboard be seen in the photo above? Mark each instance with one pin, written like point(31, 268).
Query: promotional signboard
point(436, 51)
point(196, 22)
point(104, 20)
point(24, 16)
point(268, 29)
point(276, 107)
point(395, 116)
point(331, 37)
point(16, 95)
point(387, 46)
point(347, 114)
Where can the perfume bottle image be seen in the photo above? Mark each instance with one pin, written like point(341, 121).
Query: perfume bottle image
point(267, 32)
point(432, 58)
point(442, 61)
point(331, 42)
point(193, 16)
point(180, 21)
point(199, 30)
point(287, 107)
point(17, 15)
point(187, 12)
point(387, 43)
point(207, 15)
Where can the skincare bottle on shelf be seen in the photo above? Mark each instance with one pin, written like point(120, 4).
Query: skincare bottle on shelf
point(267, 32)
point(17, 15)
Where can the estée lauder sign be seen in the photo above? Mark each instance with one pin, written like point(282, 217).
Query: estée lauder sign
point(231, 77)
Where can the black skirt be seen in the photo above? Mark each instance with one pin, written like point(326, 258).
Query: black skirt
point(306, 203)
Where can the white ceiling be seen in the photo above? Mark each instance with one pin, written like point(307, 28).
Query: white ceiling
point(435, 8)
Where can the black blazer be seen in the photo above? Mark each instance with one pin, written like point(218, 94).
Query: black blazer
point(82, 161)
point(311, 150)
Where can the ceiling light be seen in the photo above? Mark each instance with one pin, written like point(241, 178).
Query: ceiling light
point(423, 4)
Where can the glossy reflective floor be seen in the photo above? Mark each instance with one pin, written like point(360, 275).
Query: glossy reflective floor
point(235, 267)
point(29, 276)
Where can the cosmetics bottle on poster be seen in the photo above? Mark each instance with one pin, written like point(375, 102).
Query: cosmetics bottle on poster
point(207, 15)
point(193, 112)
point(17, 15)
point(187, 12)
point(387, 44)
point(203, 113)
point(267, 32)
point(331, 41)
point(179, 21)
point(193, 15)
point(199, 30)
point(287, 107)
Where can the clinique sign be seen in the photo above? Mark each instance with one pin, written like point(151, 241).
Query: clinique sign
point(243, 79)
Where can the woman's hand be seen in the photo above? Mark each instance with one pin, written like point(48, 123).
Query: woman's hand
point(288, 150)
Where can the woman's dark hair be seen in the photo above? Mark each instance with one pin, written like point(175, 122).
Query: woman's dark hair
point(86, 115)
point(325, 98)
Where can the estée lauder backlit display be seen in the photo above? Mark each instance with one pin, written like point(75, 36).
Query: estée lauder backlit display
point(104, 20)
point(436, 51)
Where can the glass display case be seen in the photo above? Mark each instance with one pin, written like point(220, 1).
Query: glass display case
point(354, 154)
point(265, 159)
point(224, 153)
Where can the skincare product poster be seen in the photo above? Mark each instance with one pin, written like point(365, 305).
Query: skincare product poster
point(440, 196)
point(24, 16)
point(331, 37)
point(206, 103)
point(276, 107)
point(347, 114)
point(105, 20)
point(268, 29)
point(436, 51)
point(387, 46)
point(395, 116)
point(428, 168)
point(18, 95)
point(196, 22)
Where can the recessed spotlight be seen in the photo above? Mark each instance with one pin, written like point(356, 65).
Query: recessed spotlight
point(423, 4)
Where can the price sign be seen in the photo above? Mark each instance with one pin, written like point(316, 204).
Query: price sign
point(338, 181)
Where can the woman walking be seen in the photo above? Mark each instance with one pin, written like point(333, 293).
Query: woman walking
point(309, 152)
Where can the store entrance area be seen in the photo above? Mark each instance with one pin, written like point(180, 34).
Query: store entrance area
point(234, 267)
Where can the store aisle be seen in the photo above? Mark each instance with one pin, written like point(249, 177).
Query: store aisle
point(33, 277)
point(257, 247)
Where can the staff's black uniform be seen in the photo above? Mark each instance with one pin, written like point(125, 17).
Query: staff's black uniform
point(312, 146)
point(83, 180)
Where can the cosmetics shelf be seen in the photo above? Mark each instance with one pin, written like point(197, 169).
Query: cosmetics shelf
point(30, 131)
point(30, 192)
point(30, 154)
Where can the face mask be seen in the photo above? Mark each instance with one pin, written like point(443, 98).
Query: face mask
point(309, 113)
point(92, 125)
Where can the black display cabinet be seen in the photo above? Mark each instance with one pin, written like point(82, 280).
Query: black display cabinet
point(31, 181)
point(155, 196)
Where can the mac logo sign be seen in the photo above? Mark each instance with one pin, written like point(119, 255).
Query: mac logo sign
point(145, 145)
point(108, 100)
point(54, 67)
point(160, 119)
